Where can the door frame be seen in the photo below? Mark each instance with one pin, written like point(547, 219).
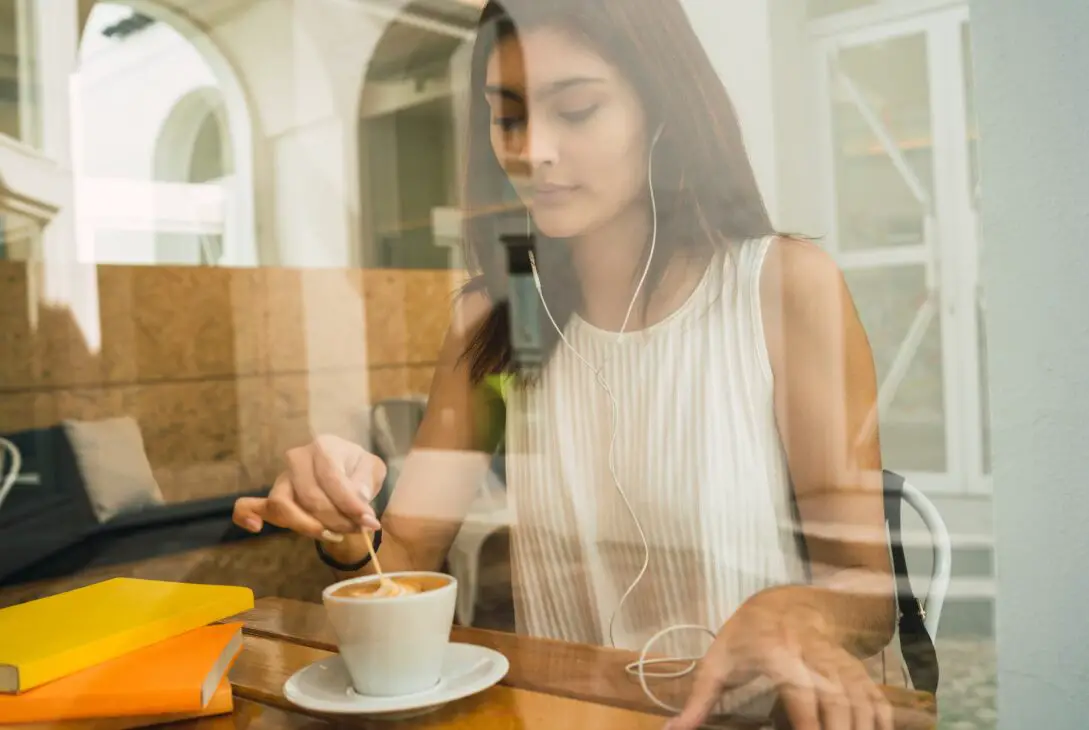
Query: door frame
point(950, 251)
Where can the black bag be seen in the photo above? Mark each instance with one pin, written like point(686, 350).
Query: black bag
point(916, 643)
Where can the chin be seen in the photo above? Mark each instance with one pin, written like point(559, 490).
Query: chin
point(560, 224)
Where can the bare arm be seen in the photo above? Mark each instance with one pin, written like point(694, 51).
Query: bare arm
point(825, 396)
point(449, 458)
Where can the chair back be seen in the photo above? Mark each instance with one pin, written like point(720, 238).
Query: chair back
point(918, 620)
point(11, 463)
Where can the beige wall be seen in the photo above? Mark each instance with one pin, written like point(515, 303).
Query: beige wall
point(223, 369)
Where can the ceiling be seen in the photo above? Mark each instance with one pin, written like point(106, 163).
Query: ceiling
point(406, 50)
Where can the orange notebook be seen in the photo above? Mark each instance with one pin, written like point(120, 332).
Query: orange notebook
point(54, 637)
point(222, 703)
point(174, 676)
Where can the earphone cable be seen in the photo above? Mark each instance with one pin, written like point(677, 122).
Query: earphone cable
point(637, 668)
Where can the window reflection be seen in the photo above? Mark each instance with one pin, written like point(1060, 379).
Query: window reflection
point(819, 8)
point(19, 93)
point(158, 182)
point(265, 220)
point(20, 236)
point(409, 145)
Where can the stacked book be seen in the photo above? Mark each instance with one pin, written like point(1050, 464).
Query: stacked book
point(122, 653)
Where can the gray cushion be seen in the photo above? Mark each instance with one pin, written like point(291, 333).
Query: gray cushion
point(115, 469)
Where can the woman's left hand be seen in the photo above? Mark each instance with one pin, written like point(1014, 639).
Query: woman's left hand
point(821, 685)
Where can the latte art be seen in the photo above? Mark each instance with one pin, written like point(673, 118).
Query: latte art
point(392, 587)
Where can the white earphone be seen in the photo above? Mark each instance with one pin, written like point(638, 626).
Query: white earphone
point(637, 668)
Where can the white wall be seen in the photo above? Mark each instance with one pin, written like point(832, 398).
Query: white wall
point(302, 65)
point(1034, 110)
point(737, 36)
point(127, 89)
point(128, 93)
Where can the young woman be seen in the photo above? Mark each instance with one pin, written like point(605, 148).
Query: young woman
point(705, 424)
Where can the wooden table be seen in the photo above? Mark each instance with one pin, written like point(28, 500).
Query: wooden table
point(550, 684)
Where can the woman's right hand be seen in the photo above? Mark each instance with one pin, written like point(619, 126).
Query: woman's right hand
point(328, 487)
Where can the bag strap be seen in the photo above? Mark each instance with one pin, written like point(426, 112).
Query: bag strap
point(916, 644)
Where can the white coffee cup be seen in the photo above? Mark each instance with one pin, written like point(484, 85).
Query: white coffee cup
point(393, 645)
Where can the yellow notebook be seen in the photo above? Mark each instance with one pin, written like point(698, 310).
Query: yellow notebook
point(56, 636)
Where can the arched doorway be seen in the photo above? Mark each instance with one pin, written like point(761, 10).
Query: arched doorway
point(193, 152)
point(409, 136)
point(168, 180)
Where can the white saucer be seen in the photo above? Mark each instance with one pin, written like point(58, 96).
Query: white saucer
point(325, 686)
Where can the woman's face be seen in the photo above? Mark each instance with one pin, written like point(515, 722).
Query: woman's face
point(568, 129)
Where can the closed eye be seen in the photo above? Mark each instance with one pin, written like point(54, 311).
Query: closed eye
point(508, 124)
point(579, 115)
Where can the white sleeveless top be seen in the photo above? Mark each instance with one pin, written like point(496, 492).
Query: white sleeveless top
point(697, 452)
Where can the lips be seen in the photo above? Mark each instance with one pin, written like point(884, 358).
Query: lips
point(551, 194)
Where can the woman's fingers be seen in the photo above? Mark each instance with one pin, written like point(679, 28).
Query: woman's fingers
point(249, 513)
point(872, 710)
point(848, 697)
point(801, 690)
point(313, 499)
point(321, 473)
point(281, 509)
point(836, 709)
point(326, 491)
point(701, 702)
point(315, 486)
point(882, 709)
point(800, 704)
point(862, 708)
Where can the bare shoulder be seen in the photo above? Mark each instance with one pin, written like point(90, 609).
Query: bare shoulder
point(804, 300)
point(800, 278)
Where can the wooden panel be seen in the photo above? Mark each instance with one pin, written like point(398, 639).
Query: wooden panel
point(202, 480)
point(185, 322)
point(26, 410)
point(384, 292)
point(398, 382)
point(569, 670)
point(64, 354)
point(285, 343)
point(224, 369)
point(254, 422)
point(250, 313)
point(17, 361)
point(120, 341)
point(188, 422)
point(266, 664)
point(155, 323)
point(408, 314)
point(279, 564)
point(429, 301)
point(419, 378)
point(94, 403)
point(306, 404)
point(315, 320)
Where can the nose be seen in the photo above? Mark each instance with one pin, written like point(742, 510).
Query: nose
point(541, 146)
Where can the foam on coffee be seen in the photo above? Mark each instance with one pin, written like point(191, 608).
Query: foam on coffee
point(392, 587)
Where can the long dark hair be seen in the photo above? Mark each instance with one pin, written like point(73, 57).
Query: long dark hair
point(704, 186)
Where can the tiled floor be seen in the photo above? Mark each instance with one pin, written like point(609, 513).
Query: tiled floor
point(966, 698)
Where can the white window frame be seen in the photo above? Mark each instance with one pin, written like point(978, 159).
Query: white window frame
point(953, 263)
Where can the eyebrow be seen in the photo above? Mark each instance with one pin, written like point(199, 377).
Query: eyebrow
point(550, 90)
